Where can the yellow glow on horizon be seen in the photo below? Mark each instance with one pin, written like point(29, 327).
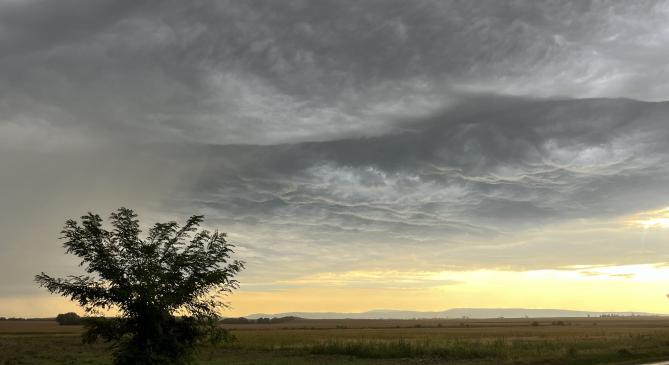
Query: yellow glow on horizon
point(651, 219)
point(633, 288)
point(625, 288)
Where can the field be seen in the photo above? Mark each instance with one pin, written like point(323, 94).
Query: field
point(468, 342)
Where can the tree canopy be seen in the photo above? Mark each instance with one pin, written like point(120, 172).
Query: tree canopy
point(169, 288)
point(69, 319)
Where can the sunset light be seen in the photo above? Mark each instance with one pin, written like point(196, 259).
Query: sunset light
point(333, 182)
point(656, 219)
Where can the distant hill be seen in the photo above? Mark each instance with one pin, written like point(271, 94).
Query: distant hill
point(450, 313)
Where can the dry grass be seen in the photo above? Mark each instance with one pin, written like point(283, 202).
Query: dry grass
point(36, 327)
point(358, 342)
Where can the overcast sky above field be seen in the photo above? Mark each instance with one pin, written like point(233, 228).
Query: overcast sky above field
point(361, 154)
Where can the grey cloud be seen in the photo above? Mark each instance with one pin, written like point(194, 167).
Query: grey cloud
point(34, 25)
point(269, 72)
point(508, 161)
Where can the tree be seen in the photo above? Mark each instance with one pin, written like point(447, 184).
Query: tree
point(69, 319)
point(167, 288)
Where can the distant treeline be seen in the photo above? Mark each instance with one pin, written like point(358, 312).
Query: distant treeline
point(70, 318)
point(73, 319)
point(261, 320)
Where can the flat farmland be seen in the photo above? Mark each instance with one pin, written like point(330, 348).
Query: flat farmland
point(36, 327)
point(630, 340)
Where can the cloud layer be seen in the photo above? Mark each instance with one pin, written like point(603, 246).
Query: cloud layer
point(491, 169)
point(337, 136)
point(491, 159)
point(259, 72)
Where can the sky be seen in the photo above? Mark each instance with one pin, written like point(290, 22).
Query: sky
point(416, 155)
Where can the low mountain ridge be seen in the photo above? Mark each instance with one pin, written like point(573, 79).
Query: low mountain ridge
point(452, 313)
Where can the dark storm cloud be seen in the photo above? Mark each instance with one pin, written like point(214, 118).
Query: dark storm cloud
point(35, 25)
point(268, 72)
point(504, 164)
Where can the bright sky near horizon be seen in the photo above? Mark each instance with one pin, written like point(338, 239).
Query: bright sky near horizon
point(414, 155)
